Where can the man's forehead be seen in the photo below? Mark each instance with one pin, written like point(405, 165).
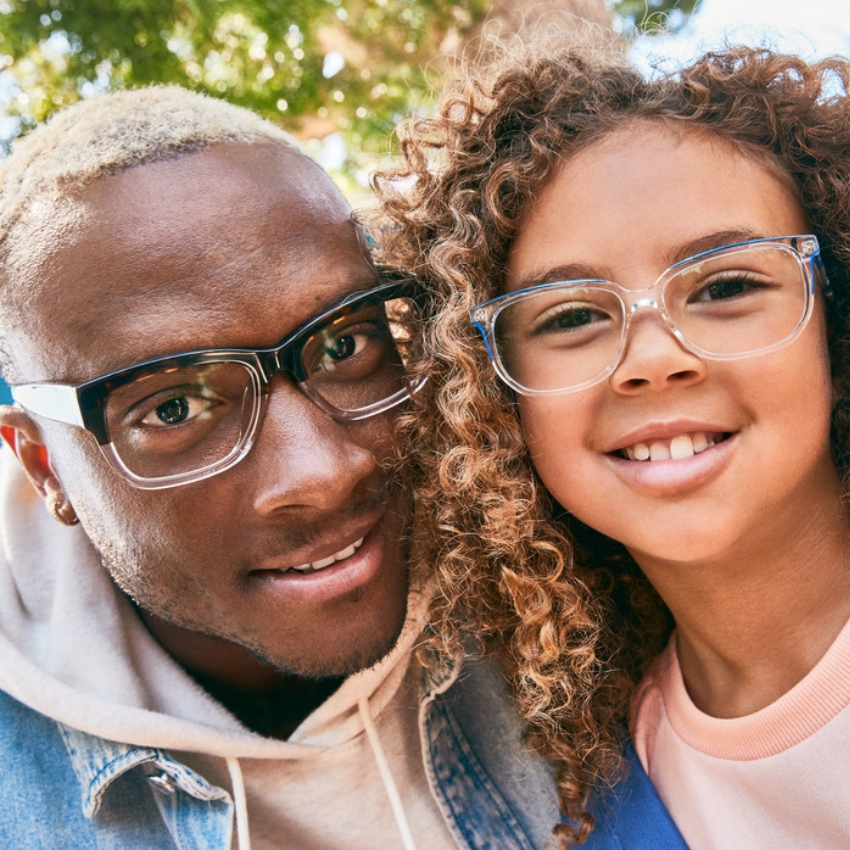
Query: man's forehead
point(119, 203)
point(51, 221)
point(209, 250)
point(213, 183)
point(229, 166)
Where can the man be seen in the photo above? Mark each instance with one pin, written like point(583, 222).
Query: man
point(212, 646)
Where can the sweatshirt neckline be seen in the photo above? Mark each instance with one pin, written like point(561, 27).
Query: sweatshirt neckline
point(799, 713)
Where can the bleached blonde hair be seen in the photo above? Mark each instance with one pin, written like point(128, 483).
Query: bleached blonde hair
point(97, 137)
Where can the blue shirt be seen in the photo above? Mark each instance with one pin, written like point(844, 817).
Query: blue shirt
point(631, 815)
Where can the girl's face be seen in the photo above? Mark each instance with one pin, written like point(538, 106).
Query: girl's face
point(624, 210)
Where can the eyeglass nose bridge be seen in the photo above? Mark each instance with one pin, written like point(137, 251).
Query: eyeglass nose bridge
point(280, 361)
point(643, 302)
point(652, 303)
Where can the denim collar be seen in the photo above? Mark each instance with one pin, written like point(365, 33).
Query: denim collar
point(98, 762)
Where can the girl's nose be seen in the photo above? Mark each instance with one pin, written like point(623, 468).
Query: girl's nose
point(654, 359)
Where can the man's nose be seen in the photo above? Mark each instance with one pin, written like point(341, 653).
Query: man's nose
point(304, 458)
point(654, 358)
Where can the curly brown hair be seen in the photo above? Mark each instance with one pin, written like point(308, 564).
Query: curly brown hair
point(565, 609)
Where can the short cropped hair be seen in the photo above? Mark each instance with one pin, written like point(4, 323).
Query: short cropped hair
point(568, 610)
point(100, 136)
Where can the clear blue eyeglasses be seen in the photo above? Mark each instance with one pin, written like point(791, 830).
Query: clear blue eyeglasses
point(179, 419)
point(737, 301)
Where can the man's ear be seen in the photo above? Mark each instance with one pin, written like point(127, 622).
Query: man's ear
point(23, 436)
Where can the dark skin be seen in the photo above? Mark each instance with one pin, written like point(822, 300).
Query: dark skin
point(235, 246)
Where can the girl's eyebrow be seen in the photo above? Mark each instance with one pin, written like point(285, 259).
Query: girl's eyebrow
point(582, 271)
point(568, 271)
point(720, 239)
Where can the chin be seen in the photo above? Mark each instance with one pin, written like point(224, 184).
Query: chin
point(335, 666)
point(685, 551)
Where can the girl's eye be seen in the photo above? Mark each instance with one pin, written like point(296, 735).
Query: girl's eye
point(721, 290)
point(574, 318)
point(176, 411)
point(565, 317)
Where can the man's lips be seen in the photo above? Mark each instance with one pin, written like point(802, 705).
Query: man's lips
point(342, 555)
point(321, 557)
point(300, 580)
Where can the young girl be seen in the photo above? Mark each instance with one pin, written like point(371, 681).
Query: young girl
point(657, 268)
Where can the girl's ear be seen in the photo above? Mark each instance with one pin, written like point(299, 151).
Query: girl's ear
point(22, 435)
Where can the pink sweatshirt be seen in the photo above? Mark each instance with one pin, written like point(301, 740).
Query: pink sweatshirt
point(776, 778)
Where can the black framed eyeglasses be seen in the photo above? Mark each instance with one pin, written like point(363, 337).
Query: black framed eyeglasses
point(737, 301)
point(182, 418)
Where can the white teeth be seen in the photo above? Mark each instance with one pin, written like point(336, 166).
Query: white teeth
point(332, 559)
point(641, 451)
point(659, 451)
point(325, 562)
point(678, 448)
point(347, 553)
point(681, 446)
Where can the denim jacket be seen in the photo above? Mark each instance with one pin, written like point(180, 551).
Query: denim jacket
point(94, 754)
point(62, 788)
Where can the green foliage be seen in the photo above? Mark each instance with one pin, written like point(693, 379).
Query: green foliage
point(653, 16)
point(314, 66)
point(259, 53)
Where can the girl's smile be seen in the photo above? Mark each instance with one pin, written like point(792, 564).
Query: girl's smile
point(636, 429)
point(674, 465)
point(681, 446)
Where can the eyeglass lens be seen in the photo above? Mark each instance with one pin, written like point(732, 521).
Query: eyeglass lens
point(175, 421)
point(730, 303)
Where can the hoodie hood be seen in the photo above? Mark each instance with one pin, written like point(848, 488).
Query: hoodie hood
point(73, 648)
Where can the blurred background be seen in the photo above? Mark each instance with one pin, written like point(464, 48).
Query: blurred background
point(339, 74)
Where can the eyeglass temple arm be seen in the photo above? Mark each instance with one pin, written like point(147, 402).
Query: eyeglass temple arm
point(53, 401)
point(478, 319)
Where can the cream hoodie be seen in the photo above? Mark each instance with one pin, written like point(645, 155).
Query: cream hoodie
point(72, 648)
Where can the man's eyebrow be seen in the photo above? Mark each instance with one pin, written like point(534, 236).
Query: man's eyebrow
point(582, 271)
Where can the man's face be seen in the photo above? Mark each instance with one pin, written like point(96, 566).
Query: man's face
point(232, 247)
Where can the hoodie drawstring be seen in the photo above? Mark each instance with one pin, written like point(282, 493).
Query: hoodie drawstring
point(243, 837)
point(386, 774)
point(241, 804)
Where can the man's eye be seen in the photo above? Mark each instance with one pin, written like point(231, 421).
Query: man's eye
point(173, 411)
point(176, 411)
point(354, 344)
point(350, 352)
point(345, 346)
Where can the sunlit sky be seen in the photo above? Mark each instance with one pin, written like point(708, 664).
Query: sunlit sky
point(811, 28)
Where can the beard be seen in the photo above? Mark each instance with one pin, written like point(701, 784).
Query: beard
point(179, 608)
